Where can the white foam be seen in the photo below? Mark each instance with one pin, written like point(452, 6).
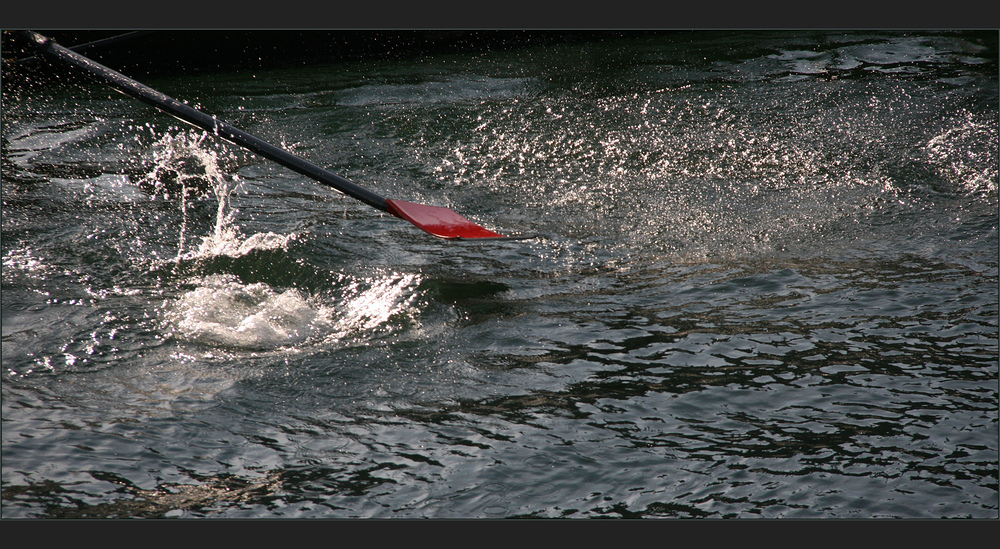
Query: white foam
point(230, 243)
point(223, 311)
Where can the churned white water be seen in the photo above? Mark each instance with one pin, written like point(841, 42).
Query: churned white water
point(222, 309)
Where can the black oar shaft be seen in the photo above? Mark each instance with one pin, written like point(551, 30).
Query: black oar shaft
point(206, 122)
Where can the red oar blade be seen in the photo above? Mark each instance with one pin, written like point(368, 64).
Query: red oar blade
point(438, 221)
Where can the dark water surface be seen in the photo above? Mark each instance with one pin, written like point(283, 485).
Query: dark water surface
point(765, 286)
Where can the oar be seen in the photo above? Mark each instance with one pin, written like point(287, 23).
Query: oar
point(80, 48)
point(436, 220)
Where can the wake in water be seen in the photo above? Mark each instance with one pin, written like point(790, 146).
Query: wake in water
point(223, 310)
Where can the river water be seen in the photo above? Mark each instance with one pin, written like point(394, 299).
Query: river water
point(763, 285)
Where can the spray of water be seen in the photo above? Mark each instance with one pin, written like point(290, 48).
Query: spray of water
point(224, 311)
point(185, 168)
point(962, 155)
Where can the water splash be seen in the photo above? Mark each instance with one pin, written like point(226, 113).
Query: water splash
point(372, 302)
point(718, 178)
point(224, 311)
point(966, 155)
point(184, 167)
